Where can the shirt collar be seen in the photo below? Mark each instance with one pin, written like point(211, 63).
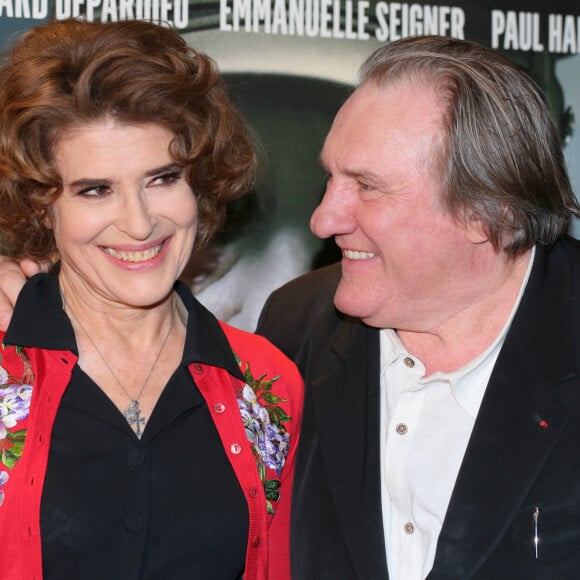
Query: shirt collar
point(39, 321)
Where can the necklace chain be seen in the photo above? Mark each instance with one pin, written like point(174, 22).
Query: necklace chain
point(133, 413)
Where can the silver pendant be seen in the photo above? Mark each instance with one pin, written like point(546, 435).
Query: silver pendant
point(133, 416)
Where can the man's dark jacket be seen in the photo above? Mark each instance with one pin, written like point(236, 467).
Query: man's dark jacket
point(524, 452)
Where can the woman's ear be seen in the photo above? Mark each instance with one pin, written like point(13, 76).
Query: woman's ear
point(47, 218)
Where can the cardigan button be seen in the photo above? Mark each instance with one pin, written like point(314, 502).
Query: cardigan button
point(236, 448)
point(253, 491)
point(256, 542)
point(198, 369)
point(219, 408)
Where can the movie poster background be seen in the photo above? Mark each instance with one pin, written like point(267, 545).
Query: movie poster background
point(289, 64)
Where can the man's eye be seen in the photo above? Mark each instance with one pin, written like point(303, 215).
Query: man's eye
point(327, 179)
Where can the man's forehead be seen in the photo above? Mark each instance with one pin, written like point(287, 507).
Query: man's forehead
point(376, 114)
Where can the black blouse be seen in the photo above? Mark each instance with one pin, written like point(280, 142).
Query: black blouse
point(166, 506)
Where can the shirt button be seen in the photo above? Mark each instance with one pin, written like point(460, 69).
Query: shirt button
point(236, 448)
point(409, 362)
point(134, 522)
point(401, 428)
point(409, 528)
point(136, 457)
point(219, 408)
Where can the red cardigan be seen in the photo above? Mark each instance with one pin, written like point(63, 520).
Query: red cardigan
point(32, 382)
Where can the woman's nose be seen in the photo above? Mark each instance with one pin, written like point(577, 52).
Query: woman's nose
point(136, 218)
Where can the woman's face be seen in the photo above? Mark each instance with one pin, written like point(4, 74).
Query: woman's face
point(125, 222)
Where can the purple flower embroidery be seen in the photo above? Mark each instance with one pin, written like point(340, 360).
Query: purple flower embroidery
point(14, 407)
point(263, 422)
point(269, 439)
point(3, 376)
point(3, 480)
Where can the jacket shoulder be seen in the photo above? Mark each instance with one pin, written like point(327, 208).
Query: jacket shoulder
point(317, 286)
point(301, 302)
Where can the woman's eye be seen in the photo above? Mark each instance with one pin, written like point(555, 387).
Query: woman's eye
point(167, 178)
point(95, 191)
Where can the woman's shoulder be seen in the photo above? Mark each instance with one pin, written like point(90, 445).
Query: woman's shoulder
point(258, 354)
point(254, 345)
point(14, 363)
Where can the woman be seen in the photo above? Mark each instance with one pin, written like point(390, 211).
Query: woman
point(139, 437)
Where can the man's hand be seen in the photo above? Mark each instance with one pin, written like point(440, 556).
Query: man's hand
point(13, 275)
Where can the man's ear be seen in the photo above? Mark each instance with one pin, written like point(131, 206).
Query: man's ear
point(477, 230)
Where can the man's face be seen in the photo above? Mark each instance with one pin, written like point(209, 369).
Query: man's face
point(406, 263)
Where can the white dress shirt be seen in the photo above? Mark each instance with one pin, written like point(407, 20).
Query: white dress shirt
point(426, 424)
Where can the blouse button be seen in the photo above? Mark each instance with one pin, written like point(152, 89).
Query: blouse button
point(401, 428)
point(198, 369)
point(136, 457)
point(219, 408)
point(409, 362)
point(236, 448)
point(253, 491)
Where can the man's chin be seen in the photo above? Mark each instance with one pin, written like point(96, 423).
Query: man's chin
point(349, 304)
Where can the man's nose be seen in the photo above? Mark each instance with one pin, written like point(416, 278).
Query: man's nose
point(334, 216)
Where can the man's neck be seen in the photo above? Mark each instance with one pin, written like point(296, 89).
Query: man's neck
point(470, 330)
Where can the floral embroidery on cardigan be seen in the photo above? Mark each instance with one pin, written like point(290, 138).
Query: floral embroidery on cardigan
point(15, 396)
point(263, 417)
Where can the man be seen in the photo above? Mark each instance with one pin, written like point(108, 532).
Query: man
point(441, 435)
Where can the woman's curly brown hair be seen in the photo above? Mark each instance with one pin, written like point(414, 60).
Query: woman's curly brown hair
point(72, 73)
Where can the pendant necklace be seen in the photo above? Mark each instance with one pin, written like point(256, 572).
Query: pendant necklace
point(132, 413)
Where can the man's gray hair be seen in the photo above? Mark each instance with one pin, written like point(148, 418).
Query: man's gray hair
point(502, 158)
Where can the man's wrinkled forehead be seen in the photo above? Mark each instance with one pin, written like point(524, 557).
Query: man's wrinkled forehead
point(369, 115)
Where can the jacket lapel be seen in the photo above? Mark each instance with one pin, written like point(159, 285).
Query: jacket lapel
point(519, 422)
point(347, 410)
